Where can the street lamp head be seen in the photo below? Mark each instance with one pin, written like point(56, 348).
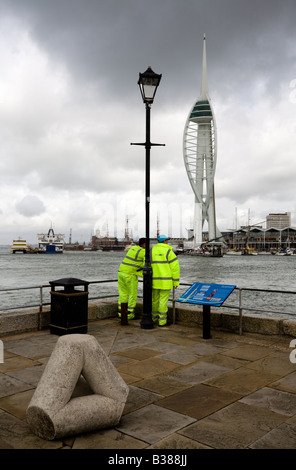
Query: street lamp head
point(148, 83)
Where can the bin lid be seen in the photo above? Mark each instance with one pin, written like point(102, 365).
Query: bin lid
point(69, 281)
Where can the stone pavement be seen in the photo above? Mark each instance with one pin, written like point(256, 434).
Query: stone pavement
point(227, 392)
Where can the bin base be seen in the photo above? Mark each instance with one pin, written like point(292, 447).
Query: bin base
point(59, 330)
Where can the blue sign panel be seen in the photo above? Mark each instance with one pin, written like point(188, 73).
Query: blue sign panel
point(206, 294)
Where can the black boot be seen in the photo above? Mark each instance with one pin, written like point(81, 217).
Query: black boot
point(124, 314)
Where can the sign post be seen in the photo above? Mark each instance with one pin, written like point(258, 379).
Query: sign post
point(207, 294)
point(206, 321)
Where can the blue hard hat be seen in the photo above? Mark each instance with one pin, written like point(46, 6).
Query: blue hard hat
point(162, 238)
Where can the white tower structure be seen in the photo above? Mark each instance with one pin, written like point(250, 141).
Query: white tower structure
point(200, 154)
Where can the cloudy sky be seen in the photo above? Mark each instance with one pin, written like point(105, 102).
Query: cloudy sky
point(70, 106)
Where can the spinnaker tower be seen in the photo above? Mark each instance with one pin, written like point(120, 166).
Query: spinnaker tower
point(200, 155)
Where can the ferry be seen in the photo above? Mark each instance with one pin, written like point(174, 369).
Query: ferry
point(19, 246)
point(50, 242)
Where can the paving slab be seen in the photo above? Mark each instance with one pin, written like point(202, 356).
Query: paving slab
point(139, 353)
point(292, 420)
point(42, 338)
point(260, 339)
point(176, 441)
point(181, 340)
point(236, 426)
point(282, 437)
point(249, 352)
point(163, 385)
point(287, 383)
point(129, 379)
point(129, 342)
point(4, 445)
point(225, 361)
point(16, 362)
point(117, 360)
point(106, 344)
point(30, 375)
point(8, 354)
point(225, 341)
point(243, 380)
point(17, 404)
point(10, 386)
point(198, 373)
point(164, 346)
point(103, 331)
point(108, 439)
point(274, 400)
point(29, 348)
point(148, 367)
point(152, 423)
point(16, 433)
point(205, 349)
point(179, 357)
point(138, 397)
point(198, 401)
point(277, 363)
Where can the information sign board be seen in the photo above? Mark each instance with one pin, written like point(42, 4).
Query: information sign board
point(207, 294)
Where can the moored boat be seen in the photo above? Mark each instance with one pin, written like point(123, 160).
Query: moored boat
point(19, 246)
point(50, 242)
point(233, 253)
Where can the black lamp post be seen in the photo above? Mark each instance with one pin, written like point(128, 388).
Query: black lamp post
point(148, 83)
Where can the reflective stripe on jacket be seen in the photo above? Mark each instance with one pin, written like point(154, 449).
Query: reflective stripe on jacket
point(134, 261)
point(165, 267)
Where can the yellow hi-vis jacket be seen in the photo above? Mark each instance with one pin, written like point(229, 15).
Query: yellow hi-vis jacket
point(134, 261)
point(165, 267)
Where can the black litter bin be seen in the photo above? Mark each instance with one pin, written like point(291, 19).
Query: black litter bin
point(69, 307)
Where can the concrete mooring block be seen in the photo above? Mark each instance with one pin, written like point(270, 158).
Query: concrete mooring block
point(56, 411)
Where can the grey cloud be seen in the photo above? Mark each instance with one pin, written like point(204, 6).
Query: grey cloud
point(108, 42)
point(70, 132)
point(30, 206)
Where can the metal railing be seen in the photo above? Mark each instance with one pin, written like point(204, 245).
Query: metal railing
point(240, 307)
point(41, 304)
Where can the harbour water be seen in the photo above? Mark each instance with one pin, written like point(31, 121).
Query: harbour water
point(264, 272)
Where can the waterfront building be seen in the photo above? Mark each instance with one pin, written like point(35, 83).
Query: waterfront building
point(278, 221)
point(261, 240)
point(200, 154)
point(108, 243)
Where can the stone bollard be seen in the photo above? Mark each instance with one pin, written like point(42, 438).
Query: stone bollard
point(54, 413)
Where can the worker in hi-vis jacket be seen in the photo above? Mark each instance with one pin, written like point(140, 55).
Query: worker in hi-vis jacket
point(129, 271)
point(165, 276)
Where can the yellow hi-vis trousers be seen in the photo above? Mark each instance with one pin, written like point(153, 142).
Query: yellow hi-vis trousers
point(128, 292)
point(160, 298)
